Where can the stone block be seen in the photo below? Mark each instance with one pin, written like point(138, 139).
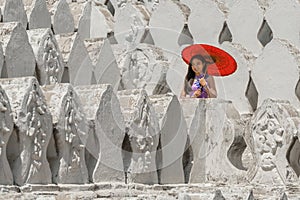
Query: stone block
point(216, 135)
point(103, 109)
point(162, 25)
point(274, 67)
point(92, 21)
point(227, 87)
point(173, 137)
point(70, 132)
point(130, 24)
point(106, 70)
point(284, 20)
point(1, 59)
point(38, 15)
point(14, 11)
point(6, 127)
point(61, 17)
point(16, 45)
point(176, 74)
point(76, 59)
point(272, 134)
point(203, 15)
point(142, 137)
point(144, 67)
point(47, 54)
point(244, 21)
point(33, 130)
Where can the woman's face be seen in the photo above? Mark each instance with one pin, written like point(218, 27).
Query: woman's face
point(197, 65)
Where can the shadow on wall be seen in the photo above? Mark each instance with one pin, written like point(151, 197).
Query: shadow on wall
point(293, 155)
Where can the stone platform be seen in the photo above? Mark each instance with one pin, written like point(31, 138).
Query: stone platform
point(140, 192)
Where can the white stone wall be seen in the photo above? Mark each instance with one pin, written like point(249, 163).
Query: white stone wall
point(61, 134)
point(263, 37)
point(124, 58)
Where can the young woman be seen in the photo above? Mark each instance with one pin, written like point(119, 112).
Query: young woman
point(197, 83)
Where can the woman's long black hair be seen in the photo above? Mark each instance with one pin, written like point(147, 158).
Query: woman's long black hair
point(191, 74)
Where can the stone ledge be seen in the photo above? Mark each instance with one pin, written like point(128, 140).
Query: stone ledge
point(138, 191)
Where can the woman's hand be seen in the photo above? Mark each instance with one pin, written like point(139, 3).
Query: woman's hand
point(197, 93)
point(202, 81)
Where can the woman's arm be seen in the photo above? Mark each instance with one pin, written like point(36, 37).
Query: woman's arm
point(211, 90)
point(186, 88)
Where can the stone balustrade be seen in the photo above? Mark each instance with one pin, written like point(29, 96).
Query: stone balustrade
point(90, 92)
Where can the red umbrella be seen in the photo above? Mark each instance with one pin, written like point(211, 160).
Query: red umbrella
point(220, 62)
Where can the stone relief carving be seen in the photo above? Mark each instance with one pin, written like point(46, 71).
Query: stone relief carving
point(6, 127)
point(143, 136)
point(35, 108)
point(144, 67)
point(151, 5)
point(137, 29)
point(49, 68)
point(51, 62)
point(272, 134)
point(121, 3)
point(268, 139)
point(137, 75)
point(32, 164)
point(72, 167)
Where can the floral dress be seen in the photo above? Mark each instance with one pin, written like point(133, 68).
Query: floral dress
point(196, 85)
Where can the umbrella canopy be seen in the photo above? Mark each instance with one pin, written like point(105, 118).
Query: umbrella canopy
point(220, 63)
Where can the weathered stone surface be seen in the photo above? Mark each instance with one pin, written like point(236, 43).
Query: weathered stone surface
point(203, 15)
point(47, 54)
point(77, 10)
point(38, 15)
point(144, 67)
point(70, 134)
point(284, 197)
point(282, 73)
point(162, 25)
point(251, 196)
point(62, 18)
point(173, 136)
point(284, 20)
point(6, 128)
point(130, 23)
point(33, 122)
point(14, 12)
point(26, 2)
point(92, 21)
point(216, 137)
point(227, 87)
point(140, 191)
point(270, 133)
point(1, 60)
point(183, 196)
point(271, 27)
point(16, 45)
point(106, 69)
point(218, 195)
point(91, 98)
point(115, 6)
point(110, 21)
point(176, 74)
point(103, 108)
point(191, 4)
point(244, 20)
point(151, 5)
point(76, 59)
point(142, 137)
